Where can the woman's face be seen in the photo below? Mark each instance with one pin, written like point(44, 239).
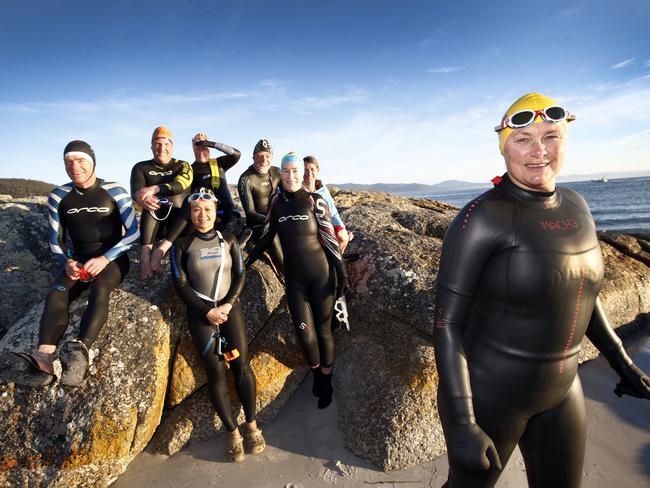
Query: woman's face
point(203, 214)
point(291, 177)
point(534, 155)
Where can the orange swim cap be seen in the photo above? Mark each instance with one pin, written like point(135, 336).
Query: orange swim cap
point(162, 132)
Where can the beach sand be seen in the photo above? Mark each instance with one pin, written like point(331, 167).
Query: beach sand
point(305, 448)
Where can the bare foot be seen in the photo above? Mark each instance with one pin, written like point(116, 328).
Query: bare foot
point(156, 260)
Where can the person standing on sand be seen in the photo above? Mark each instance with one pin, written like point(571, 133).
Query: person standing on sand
point(209, 276)
point(100, 222)
point(314, 271)
point(517, 290)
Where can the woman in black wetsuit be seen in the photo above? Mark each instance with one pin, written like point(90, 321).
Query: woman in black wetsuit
point(209, 276)
point(313, 269)
point(518, 287)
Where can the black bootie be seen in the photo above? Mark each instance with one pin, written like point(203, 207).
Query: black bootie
point(326, 390)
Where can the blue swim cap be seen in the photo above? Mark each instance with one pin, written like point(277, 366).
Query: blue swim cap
point(291, 157)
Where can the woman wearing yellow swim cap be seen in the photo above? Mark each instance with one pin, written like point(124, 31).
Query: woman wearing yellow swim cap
point(518, 285)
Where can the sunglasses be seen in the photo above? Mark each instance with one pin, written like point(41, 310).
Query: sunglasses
point(524, 118)
point(208, 197)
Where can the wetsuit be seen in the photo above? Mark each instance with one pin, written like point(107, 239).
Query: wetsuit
point(313, 269)
point(197, 262)
point(210, 175)
point(324, 192)
point(174, 181)
point(255, 193)
point(99, 220)
point(519, 278)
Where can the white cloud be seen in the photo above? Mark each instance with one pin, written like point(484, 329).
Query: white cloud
point(444, 70)
point(623, 64)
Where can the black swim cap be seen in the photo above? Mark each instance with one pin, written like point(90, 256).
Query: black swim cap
point(263, 145)
point(80, 148)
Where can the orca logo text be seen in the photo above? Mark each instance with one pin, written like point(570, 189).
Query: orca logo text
point(293, 217)
point(89, 210)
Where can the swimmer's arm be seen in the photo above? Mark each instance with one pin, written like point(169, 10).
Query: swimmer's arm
point(129, 222)
point(328, 240)
point(634, 381)
point(181, 182)
point(246, 198)
point(231, 157)
point(181, 283)
point(238, 272)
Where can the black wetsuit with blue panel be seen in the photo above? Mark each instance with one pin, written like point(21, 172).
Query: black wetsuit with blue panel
point(84, 224)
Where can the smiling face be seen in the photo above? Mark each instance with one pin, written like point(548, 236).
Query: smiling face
point(534, 155)
point(291, 176)
point(80, 170)
point(161, 147)
point(311, 173)
point(262, 161)
point(203, 214)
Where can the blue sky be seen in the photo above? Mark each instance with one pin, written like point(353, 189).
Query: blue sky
point(379, 91)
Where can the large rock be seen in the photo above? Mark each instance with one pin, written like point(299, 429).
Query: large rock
point(26, 263)
point(86, 436)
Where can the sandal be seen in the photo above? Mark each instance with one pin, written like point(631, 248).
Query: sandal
point(255, 442)
point(75, 360)
point(26, 369)
point(234, 447)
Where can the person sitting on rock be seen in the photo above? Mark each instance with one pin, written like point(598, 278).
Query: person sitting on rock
point(159, 186)
point(209, 274)
point(99, 220)
point(314, 185)
point(209, 173)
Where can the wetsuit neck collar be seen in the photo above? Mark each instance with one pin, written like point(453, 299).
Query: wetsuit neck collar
point(548, 198)
point(81, 191)
point(293, 195)
point(206, 236)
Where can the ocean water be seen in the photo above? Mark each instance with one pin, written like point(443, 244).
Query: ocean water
point(621, 205)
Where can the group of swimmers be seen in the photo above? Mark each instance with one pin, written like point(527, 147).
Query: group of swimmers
point(515, 292)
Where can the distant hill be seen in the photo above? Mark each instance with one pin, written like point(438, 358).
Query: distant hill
point(413, 188)
point(19, 188)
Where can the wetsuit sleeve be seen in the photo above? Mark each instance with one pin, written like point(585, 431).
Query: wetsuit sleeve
point(467, 246)
point(266, 238)
point(182, 284)
point(137, 180)
point(181, 182)
point(238, 271)
point(231, 157)
point(127, 214)
point(327, 238)
point(336, 218)
point(247, 202)
point(57, 225)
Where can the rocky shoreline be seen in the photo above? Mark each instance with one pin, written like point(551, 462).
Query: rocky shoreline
point(146, 384)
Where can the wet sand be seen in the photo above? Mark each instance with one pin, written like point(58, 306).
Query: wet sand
point(305, 448)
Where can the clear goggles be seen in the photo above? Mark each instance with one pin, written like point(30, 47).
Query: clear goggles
point(202, 194)
point(524, 118)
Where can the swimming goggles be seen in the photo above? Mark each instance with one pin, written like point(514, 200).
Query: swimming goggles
point(202, 194)
point(524, 118)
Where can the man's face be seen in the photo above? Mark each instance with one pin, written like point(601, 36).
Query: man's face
point(80, 170)
point(262, 161)
point(311, 173)
point(201, 153)
point(161, 147)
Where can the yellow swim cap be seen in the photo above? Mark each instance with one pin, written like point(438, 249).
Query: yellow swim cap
point(530, 101)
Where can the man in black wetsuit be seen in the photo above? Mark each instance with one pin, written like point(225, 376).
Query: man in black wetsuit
point(206, 173)
point(159, 186)
point(98, 219)
point(313, 269)
point(520, 273)
point(257, 186)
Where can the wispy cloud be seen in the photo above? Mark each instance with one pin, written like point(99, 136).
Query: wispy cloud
point(623, 64)
point(425, 42)
point(444, 70)
point(647, 63)
point(570, 12)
